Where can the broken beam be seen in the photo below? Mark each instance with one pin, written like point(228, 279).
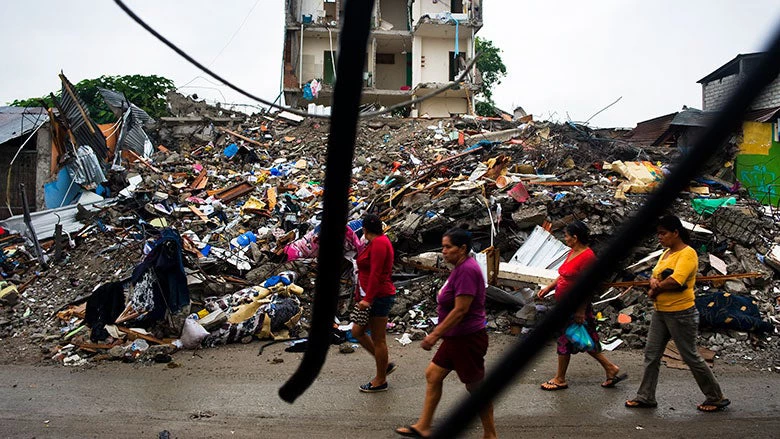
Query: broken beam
point(719, 277)
point(235, 191)
point(200, 181)
point(244, 138)
point(148, 338)
point(135, 156)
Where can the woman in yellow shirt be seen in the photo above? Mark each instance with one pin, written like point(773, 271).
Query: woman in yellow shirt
point(676, 318)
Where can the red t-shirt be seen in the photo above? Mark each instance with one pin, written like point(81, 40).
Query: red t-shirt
point(375, 266)
point(570, 269)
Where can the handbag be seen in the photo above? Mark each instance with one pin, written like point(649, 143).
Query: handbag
point(577, 333)
point(359, 316)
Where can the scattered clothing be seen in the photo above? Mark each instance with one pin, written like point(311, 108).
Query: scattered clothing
point(721, 310)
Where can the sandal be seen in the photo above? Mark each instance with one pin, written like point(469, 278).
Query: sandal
point(391, 367)
point(711, 407)
point(552, 386)
point(368, 388)
point(637, 404)
point(612, 381)
point(410, 431)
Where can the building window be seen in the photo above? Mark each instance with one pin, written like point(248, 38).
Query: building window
point(456, 6)
point(457, 64)
point(385, 58)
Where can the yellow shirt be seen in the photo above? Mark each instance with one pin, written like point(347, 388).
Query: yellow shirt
point(685, 264)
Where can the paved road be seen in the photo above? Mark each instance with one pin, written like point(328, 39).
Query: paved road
point(231, 392)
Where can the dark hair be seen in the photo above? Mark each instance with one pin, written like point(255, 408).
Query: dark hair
point(579, 230)
point(673, 224)
point(459, 237)
point(372, 224)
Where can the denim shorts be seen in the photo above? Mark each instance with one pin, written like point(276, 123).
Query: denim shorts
point(381, 306)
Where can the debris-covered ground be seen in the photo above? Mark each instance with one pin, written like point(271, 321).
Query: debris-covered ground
point(212, 239)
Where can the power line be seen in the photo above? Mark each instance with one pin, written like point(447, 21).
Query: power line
point(236, 32)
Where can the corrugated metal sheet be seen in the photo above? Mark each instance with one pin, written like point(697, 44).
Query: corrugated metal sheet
point(80, 129)
point(765, 115)
point(649, 131)
point(119, 103)
point(541, 250)
point(86, 167)
point(43, 222)
point(132, 136)
point(692, 117)
point(17, 121)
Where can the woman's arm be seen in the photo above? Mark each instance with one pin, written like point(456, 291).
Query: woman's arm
point(543, 292)
point(462, 305)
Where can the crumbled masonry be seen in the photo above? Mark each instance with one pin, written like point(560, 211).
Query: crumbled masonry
point(243, 194)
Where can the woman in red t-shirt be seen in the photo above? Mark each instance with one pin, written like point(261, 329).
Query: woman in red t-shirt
point(375, 292)
point(577, 237)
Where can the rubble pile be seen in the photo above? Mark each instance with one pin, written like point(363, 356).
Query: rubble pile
point(231, 204)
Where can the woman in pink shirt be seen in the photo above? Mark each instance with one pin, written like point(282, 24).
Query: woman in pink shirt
point(577, 237)
point(461, 309)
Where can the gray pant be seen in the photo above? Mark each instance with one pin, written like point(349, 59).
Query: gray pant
point(680, 326)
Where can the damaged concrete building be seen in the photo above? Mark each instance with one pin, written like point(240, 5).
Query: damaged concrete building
point(757, 166)
point(415, 48)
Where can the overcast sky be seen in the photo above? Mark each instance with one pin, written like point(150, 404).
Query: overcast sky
point(565, 59)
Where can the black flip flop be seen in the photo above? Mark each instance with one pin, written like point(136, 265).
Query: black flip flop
point(611, 382)
point(554, 386)
point(718, 406)
point(413, 432)
point(636, 404)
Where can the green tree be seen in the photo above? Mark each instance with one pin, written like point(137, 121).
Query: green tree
point(492, 68)
point(147, 92)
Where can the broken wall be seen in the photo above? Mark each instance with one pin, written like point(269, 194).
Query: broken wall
point(314, 49)
point(436, 53)
point(428, 7)
point(390, 76)
point(758, 161)
point(443, 107)
point(394, 12)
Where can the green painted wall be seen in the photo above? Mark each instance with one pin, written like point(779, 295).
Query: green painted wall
point(758, 163)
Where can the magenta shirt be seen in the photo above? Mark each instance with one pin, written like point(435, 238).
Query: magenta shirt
point(465, 279)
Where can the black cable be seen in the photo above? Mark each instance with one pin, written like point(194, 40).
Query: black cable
point(514, 362)
point(338, 175)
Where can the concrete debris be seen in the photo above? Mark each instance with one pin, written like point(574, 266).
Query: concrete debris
point(244, 196)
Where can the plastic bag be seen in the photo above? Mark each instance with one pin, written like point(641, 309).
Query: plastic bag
point(577, 333)
point(192, 334)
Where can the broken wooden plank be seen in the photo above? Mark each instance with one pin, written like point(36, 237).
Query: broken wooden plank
point(522, 273)
point(200, 181)
point(199, 213)
point(244, 138)
point(235, 191)
point(136, 334)
point(136, 157)
point(235, 280)
point(699, 279)
point(79, 342)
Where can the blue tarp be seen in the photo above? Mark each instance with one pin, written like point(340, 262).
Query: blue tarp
point(56, 191)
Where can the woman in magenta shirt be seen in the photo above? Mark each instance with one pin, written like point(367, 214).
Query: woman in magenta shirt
point(376, 293)
point(577, 237)
point(461, 309)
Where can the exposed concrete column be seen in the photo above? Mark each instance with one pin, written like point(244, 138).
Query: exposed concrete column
point(416, 60)
point(43, 163)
